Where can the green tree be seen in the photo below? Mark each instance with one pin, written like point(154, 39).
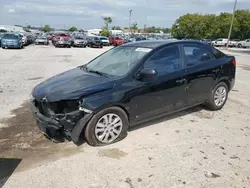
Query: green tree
point(134, 27)
point(46, 28)
point(116, 28)
point(3, 31)
point(107, 21)
point(212, 26)
point(243, 18)
point(105, 32)
point(72, 29)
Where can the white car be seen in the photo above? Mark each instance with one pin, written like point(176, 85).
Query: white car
point(24, 39)
point(105, 41)
point(220, 42)
point(244, 44)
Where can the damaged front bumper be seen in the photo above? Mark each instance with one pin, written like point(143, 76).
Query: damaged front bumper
point(59, 127)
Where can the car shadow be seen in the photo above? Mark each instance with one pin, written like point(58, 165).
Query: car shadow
point(166, 118)
point(7, 167)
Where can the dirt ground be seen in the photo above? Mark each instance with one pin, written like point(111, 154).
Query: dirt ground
point(193, 148)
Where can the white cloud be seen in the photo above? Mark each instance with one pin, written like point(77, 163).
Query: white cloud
point(11, 10)
point(88, 14)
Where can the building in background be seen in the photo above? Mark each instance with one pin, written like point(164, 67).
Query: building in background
point(12, 28)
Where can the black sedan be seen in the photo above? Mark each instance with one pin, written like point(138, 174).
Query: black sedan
point(95, 42)
point(131, 84)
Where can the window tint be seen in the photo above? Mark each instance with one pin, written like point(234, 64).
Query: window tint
point(196, 54)
point(165, 61)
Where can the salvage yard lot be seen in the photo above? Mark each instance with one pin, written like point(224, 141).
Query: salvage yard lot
point(193, 148)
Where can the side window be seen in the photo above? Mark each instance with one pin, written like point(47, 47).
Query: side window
point(247, 40)
point(196, 54)
point(165, 61)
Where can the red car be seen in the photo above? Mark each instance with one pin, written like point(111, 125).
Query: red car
point(116, 41)
point(57, 37)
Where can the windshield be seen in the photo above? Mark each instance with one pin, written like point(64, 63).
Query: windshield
point(10, 36)
point(43, 38)
point(117, 61)
point(79, 38)
point(61, 34)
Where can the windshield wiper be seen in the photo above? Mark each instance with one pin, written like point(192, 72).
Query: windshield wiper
point(96, 72)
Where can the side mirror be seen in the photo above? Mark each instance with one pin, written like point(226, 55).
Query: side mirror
point(148, 73)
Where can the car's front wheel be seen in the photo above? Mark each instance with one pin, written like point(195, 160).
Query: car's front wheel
point(218, 97)
point(106, 127)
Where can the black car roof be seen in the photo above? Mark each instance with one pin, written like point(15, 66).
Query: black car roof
point(158, 43)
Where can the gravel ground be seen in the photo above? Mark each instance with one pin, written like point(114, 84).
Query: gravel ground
point(193, 148)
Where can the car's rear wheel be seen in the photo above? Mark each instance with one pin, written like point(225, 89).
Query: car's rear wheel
point(218, 97)
point(106, 127)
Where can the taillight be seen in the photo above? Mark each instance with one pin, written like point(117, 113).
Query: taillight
point(234, 63)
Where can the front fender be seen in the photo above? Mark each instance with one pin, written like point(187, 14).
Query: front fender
point(75, 135)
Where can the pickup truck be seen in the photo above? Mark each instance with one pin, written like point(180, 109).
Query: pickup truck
point(244, 44)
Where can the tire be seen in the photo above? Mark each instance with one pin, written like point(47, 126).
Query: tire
point(90, 131)
point(101, 46)
point(239, 46)
point(211, 103)
point(84, 46)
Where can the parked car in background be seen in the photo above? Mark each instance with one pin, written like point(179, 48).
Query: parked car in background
point(94, 42)
point(127, 41)
point(116, 41)
point(58, 36)
point(79, 41)
point(62, 42)
point(207, 41)
point(244, 44)
point(234, 42)
point(105, 41)
point(24, 39)
point(221, 42)
point(1, 35)
point(131, 84)
point(42, 40)
point(10, 40)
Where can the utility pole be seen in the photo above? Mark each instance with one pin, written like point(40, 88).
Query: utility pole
point(130, 13)
point(231, 26)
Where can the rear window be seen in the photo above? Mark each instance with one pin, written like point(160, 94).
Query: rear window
point(117, 38)
point(217, 53)
point(10, 36)
point(103, 38)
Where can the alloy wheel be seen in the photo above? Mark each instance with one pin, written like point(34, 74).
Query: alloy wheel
point(108, 128)
point(220, 96)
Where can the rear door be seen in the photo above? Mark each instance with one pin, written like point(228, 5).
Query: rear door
point(202, 70)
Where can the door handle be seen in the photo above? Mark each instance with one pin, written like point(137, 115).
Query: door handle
point(181, 81)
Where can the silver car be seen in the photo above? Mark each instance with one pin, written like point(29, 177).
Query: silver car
point(79, 42)
point(63, 42)
point(42, 40)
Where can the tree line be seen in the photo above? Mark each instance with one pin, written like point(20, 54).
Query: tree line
point(195, 26)
point(211, 26)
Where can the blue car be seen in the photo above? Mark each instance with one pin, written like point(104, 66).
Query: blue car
point(11, 40)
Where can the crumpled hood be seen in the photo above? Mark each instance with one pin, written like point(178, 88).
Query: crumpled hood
point(71, 84)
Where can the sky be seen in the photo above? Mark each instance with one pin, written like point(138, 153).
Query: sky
point(87, 14)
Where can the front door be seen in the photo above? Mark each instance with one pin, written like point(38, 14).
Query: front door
point(165, 92)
